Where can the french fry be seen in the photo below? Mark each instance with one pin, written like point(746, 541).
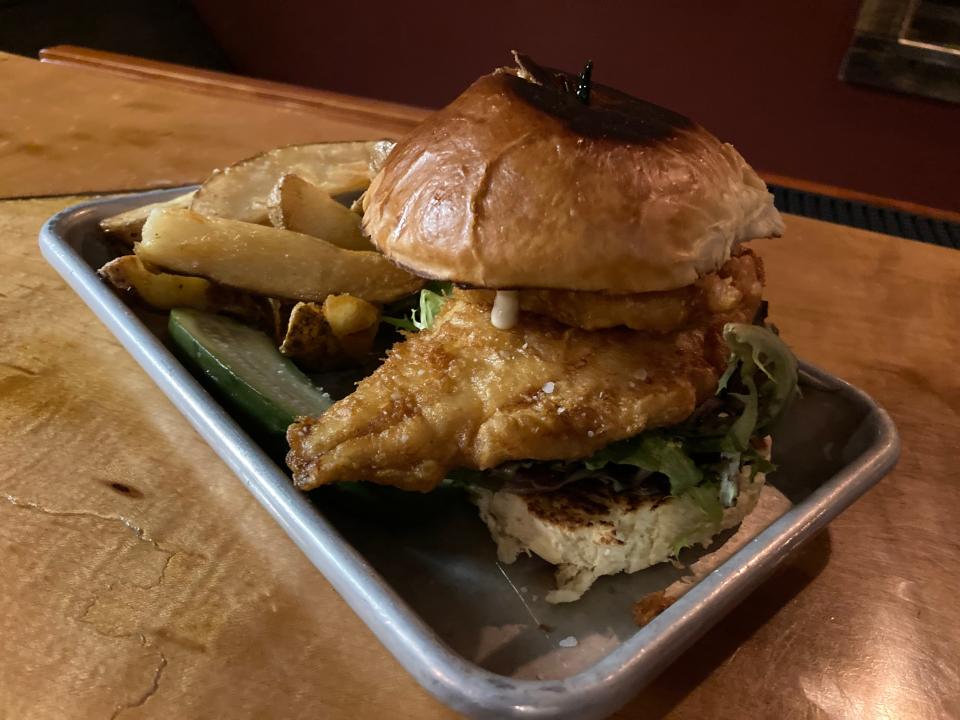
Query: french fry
point(268, 261)
point(378, 155)
point(278, 313)
point(310, 340)
point(160, 290)
point(314, 342)
point(165, 291)
point(240, 192)
point(357, 205)
point(347, 314)
point(127, 225)
point(299, 205)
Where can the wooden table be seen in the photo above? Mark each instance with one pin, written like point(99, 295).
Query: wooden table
point(140, 580)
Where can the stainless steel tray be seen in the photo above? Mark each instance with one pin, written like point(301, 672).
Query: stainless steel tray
point(476, 634)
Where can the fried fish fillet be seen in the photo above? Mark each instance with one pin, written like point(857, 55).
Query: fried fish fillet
point(738, 282)
point(466, 395)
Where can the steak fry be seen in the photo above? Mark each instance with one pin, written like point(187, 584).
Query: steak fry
point(466, 395)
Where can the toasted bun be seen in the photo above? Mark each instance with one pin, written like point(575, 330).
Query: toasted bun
point(596, 532)
point(517, 184)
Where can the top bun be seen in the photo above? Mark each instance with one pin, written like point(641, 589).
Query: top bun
point(518, 184)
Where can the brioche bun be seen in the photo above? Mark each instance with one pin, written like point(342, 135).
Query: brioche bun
point(518, 184)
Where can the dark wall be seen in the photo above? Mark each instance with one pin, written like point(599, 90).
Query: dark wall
point(168, 30)
point(760, 74)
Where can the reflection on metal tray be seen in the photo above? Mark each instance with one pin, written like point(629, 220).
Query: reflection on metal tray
point(475, 633)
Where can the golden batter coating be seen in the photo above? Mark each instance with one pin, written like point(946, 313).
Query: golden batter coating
point(739, 282)
point(467, 395)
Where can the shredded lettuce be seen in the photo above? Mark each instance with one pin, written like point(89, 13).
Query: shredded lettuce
point(654, 452)
point(756, 389)
point(707, 498)
point(754, 347)
point(757, 463)
point(742, 429)
point(704, 456)
point(431, 300)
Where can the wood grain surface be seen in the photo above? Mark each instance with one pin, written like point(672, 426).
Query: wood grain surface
point(79, 129)
point(132, 559)
point(218, 83)
point(141, 580)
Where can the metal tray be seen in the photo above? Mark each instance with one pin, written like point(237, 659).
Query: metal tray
point(474, 633)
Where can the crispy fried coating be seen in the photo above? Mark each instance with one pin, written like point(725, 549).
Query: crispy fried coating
point(467, 395)
point(739, 282)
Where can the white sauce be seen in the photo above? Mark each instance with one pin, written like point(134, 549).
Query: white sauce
point(506, 309)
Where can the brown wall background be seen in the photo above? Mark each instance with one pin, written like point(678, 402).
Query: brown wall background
point(761, 74)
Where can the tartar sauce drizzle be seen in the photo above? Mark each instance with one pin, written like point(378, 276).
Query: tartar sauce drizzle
point(506, 309)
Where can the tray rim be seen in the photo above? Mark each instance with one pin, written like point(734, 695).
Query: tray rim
point(598, 689)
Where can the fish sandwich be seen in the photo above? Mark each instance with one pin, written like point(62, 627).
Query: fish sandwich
point(591, 362)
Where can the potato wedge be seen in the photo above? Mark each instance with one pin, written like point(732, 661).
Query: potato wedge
point(160, 290)
point(278, 313)
point(347, 314)
point(354, 322)
point(357, 205)
point(240, 192)
point(299, 205)
point(127, 225)
point(165, 291)
point(269, 261)
point(314, 343)
point(378, 155)
point(309, 339)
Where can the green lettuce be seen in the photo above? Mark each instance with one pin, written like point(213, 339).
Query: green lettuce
point(654, 452)
point(757, 348)
point(430, 302)
point(707, 498)
point(704, 456)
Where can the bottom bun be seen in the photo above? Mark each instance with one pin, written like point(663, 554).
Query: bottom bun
point(589, 530)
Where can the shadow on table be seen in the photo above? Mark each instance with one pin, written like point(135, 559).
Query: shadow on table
point(720, 644)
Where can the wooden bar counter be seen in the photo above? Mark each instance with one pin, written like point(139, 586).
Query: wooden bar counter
point(138, 579)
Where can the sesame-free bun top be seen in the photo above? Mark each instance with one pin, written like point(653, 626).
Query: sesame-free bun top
point(518, 184)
